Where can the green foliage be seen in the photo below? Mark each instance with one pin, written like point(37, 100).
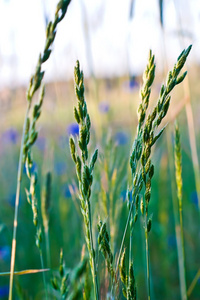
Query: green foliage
point(84, 169)
point(69, 284)
point(104, 246)
point(127, 279)
point(101, 178)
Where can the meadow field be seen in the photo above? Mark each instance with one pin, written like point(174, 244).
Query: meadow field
point(86, 208)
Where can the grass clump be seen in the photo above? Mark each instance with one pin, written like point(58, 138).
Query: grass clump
point(109, 268)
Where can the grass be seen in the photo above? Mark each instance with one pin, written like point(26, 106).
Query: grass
point(102, 220)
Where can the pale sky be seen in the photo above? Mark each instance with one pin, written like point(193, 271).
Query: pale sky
point(116, 44)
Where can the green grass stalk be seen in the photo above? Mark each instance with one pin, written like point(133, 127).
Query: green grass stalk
point(147, 258)
point(179, 226)
point(19, 178)
point(140, 162)
point(95, 279)
point(130, 242)
point(123, 238)
point(176, 212)
point(47, 246)
point(193, 283)
point(189, 115)
point(34, 85)
point(84, 169)
point(193, 145)
point(43, 274)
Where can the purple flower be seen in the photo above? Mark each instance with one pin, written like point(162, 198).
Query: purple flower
point(73, 129)
point(121, 138)
point(104, 107)
point(10, 136)
point(4, 253)
point(4, 291)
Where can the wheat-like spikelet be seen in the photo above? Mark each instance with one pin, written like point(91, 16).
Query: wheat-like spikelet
point(127, 279)
point(140, 159)
point(34, 85)
point(179, 218)
point(104, 246)
point(84, 168)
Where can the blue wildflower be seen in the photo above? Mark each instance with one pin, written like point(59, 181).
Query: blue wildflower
point(68, 190)
point(60, 168)
point(73, 129)
point(11, 199)
point(4, 291)
point(40, 143)
point(104, 107)
point(4, 253)
point(194, 198)
point(125, 195)
point(133, 83)
point(121, 138)
point(171, 241)
point(10, 136)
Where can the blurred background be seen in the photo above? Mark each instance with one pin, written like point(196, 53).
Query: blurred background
point(108, 37)
point(111, 38)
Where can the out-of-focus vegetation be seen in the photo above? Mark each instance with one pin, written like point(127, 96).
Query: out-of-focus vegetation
point(114, 120)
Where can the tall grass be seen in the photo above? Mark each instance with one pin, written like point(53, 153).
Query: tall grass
point(29, 137)
point(108, 263)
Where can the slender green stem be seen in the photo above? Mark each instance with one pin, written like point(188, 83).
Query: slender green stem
point(178, 225)
point(183, 271)
point(46, 230)
point(19, 178)
point(124, 235)
point(130, 243)
point(47, 246)
point(43, 275)
point(94, 271)
point(122, 245)
point(147, 259)
point(194, 282)
point(193, 145)
point(35, 83)
point(180, 240)
point(190, 117)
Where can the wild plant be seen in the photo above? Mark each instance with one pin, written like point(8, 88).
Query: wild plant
point(128, 279)
point(45, 207)
point(178, 215)
point(84, 169)
point(100, 237)
point(141, 167)
point(140, 158)
point(27, 140)
point(69, 284)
